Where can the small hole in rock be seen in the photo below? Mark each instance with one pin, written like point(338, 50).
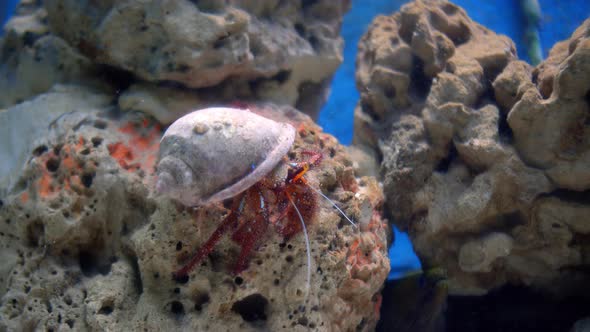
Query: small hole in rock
point(238, 280)
point(90, 264)
point(96, 141)
point(52, 164)
point(314, 42)
point(200, 301)
point(252, 308)
point(282, 76)
point(220, 42)
point(445, 163)
point(100, 124)
point(57, 148)
point(40, 150)
point(303, 321)
point(176, 308)
point(183, 279)
point(87, 179)
point(300, 29)
point(35, 233)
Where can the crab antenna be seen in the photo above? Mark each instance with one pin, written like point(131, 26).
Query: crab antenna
point(334, 204)
point(307, 285)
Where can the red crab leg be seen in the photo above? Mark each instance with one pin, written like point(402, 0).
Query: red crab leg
point(249, 234)
point(207, 248)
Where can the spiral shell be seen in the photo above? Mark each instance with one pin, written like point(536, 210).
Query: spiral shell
point(216, 153)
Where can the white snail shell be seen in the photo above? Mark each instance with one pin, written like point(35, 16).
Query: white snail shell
point(216, 153)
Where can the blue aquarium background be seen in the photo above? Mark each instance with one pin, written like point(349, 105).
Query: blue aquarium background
point(558, 20)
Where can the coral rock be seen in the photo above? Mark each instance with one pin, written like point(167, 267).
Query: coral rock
point(34, 60)
point(86, 245)
point(286, 51)
point(477, 172)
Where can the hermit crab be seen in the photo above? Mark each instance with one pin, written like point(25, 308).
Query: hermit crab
point(234, 155)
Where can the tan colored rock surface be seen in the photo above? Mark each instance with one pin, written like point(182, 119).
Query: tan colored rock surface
point(280, 51)
point(171, 52)
point(476, 158)
point(87, 246)
point(553, 133)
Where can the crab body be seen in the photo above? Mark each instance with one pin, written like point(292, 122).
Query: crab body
point(220, 154)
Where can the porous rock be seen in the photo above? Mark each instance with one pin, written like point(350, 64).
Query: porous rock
point(34, 60)
point(552, 132)
point(86, 245)
point(26, 126)
point(286, 51)
point(478, 150)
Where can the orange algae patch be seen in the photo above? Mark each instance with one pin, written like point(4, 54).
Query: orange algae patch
point(357, 255)
point(81, 142)
point(122, 154)
point(141, 148)
point(47, 184)
point(24, 197)
point(145, 142)
point(68, 162)
point(128, 128)
point(44, 187)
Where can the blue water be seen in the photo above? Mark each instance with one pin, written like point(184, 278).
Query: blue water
point(560, 18)
point(7, 7)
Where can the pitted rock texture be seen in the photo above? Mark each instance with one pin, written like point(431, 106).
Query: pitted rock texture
point(282, 51)
point(23, 127)
point(87, 246)
point(478, 150)
point(166, 58)
point(33, 60)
